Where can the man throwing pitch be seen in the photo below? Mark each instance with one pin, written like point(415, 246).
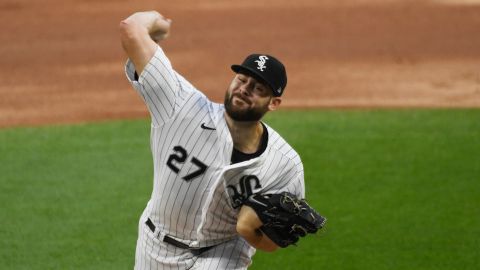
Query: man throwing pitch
point(225, 184)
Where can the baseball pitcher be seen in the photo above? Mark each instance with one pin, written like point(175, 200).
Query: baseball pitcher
point(225, 183)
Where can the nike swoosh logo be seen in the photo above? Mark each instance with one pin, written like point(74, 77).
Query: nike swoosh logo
point(205, 127)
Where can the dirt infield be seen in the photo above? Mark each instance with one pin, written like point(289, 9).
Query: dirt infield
point(61, 60)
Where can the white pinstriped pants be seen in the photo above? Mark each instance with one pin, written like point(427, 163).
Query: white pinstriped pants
point(153, 254)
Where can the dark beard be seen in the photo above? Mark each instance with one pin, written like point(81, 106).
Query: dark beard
point(249, 115)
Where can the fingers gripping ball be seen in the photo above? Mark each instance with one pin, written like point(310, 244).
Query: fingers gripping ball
point(285, 218)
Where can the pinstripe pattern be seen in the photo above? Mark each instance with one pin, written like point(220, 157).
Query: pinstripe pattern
point(202, 211)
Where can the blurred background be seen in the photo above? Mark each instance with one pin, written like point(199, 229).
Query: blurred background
point(61, 60)
point(382, 104)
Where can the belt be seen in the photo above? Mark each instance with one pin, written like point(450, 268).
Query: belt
point(171, 241)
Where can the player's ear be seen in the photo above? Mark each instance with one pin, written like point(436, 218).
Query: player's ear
point(274, 103)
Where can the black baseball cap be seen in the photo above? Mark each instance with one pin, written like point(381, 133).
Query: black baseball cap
point(265, 68)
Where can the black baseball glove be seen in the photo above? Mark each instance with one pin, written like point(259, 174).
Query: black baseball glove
point(285, 218)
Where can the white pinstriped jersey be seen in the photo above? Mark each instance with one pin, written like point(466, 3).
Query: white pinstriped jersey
point(197, 192)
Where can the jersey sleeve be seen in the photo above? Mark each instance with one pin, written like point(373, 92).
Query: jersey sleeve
point(291, 180)
point(163, 90)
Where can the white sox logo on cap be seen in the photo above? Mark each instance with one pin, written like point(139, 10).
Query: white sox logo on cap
point(261, 62)
point(265, 68)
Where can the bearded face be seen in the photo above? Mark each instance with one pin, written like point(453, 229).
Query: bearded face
point(247, 99)
point(247, 113)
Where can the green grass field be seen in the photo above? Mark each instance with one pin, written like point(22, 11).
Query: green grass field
point(401, 189)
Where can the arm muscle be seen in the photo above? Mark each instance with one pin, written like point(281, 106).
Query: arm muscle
point(248, 225)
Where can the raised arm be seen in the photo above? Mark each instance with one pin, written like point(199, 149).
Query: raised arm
point(140, 34)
